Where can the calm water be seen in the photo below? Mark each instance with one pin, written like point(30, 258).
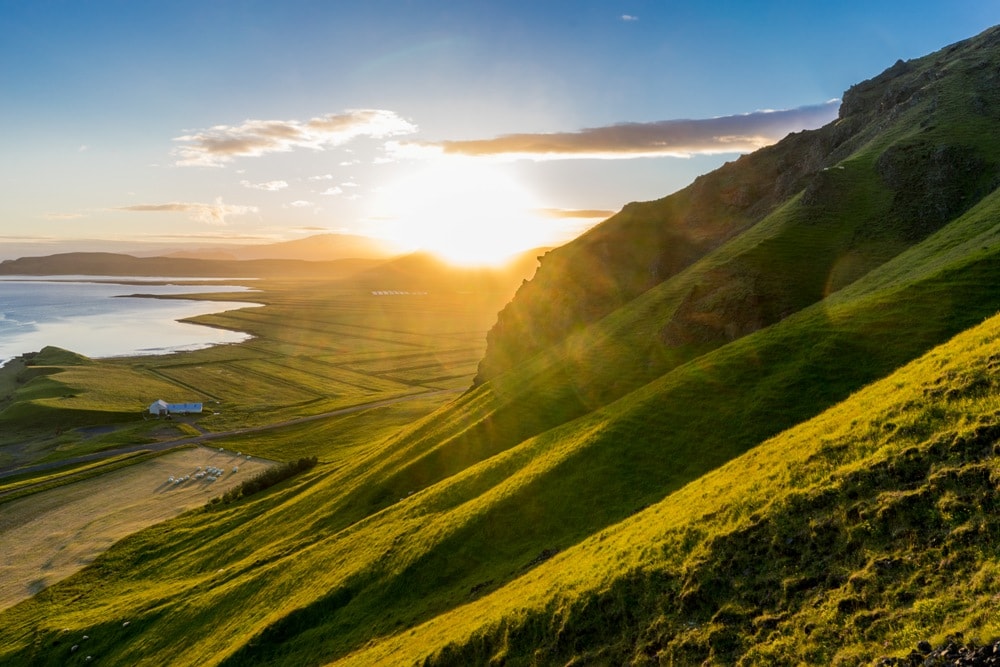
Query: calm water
point(98, 319)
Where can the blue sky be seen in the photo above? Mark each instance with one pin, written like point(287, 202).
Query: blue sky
point(195, 122)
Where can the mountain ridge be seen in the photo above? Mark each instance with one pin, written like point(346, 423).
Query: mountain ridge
point(922, 185)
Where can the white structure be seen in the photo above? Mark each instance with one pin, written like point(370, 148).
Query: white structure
point(161, 407)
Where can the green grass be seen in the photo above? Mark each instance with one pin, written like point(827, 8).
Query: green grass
point(318, 347)
point(853, 535)
point(703, 473)
point(394, 535)
point(336, 439)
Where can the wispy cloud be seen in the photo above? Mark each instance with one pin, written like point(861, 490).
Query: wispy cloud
point(215, 213)
point(583, 213)
point(334, 191)
point(301, 203)
point(679, 138)
point(215, 146)
point(269, 186)
point(629, 17)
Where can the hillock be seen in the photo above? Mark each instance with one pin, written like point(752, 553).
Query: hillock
point(754, 422)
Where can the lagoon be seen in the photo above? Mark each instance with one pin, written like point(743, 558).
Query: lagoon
point(97, 317)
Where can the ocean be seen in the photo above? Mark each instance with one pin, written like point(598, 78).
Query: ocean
point(97, 318)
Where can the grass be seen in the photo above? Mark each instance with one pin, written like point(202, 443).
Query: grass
point(49, 535)
point(390, 536)
point(318, 347)
point(853, 535)
point(684, 479)
point(338, 438)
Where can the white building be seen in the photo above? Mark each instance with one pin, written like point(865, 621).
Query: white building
point(161, 407)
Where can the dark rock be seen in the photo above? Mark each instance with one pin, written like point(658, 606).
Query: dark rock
point(955, 652)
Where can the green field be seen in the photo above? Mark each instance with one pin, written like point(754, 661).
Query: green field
point(317, 347)
point(715, 430)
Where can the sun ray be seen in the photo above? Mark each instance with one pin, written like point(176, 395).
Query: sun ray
point(464, 210)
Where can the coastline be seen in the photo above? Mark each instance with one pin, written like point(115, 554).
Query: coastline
point(100, 323)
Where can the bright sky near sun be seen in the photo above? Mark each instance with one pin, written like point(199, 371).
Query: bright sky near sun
point(472, 129)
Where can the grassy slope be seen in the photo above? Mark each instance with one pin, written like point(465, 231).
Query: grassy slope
point(346, 554)
point(852, 535)
point(60, 389)
point(649, 242)
point(870, 176)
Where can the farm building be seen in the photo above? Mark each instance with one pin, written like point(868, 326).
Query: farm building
point(161, 407)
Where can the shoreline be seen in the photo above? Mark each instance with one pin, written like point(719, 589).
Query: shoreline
point(120, 331)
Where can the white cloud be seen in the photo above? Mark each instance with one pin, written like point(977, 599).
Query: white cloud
point(333, 191)
point(301, 203)
point(209, 213)
point(629, 17)
point(220, 144)
point(269, 186)
point(323, 177)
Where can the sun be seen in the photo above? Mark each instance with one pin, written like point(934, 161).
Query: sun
point(464, 210)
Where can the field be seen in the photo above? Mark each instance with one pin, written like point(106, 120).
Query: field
point(317, 348)
point(48, 536)
point(776, 444)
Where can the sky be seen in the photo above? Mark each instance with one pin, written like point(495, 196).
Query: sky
point(472, 129)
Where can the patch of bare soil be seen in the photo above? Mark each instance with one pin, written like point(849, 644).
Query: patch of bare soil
point(47, 536)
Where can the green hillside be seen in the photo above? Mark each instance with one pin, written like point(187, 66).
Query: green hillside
point(751, 421)
point(851, 536)
point(912, 149)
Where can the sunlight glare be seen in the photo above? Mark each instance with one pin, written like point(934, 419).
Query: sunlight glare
point(465, 211)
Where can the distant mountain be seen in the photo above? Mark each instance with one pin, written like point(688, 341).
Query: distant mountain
point(316, 248)
point(319, 247)
point(424, 271)
point(413, 272)
point(111, 264)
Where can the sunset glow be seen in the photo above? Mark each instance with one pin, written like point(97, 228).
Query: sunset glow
point(472, 130)
point(463, 210)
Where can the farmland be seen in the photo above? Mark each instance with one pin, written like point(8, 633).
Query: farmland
point(47, 536)
point(317, 347)
point(372, 362)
